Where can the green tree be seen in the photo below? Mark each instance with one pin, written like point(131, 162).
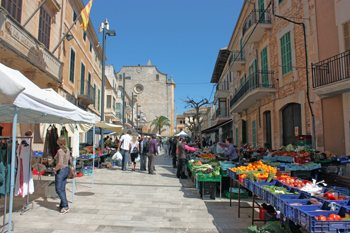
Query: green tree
point(160, 122)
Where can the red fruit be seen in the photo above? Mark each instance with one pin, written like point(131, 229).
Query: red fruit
point(322, 218)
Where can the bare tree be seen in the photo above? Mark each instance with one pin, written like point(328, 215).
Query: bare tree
point(191, 103)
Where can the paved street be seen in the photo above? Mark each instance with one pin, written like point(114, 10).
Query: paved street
point(131, 202)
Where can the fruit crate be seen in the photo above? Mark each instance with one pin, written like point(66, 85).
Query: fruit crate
point(259, 191)
point(291, 208)
point(308, 221)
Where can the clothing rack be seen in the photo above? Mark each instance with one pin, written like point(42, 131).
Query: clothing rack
point(26, 204)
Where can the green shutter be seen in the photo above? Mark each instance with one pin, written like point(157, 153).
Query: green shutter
point(89, 85)
point(98, 100)
point(264, 67)
point(286, 53)
point(72, 65)
point(254, 133)
point(94, 95)
point(261, 11)
point(82, 79)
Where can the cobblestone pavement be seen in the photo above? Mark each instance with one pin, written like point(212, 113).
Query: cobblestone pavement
point(118, 202)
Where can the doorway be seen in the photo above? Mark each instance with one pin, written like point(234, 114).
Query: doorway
point(291, 123)
point(268, 129)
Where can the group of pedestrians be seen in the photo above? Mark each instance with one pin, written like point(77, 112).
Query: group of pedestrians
point(178, 153)
point(134, 146)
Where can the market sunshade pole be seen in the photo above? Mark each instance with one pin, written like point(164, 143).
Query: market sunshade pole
point(13, 162)
point(93, 154)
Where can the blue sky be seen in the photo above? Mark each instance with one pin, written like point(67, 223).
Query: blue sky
point(181, 37)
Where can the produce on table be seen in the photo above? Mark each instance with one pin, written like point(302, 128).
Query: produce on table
point(333, 196)
point(312, 201)
point(292, 181)
point(313, 187)
point(208, 156)
point(331, 217)
point(211, 168)
point(276, 189)
point(256, 171)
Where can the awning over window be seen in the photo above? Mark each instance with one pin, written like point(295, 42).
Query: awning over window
point(217, 126)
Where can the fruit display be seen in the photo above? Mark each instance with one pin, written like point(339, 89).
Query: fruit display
point(292, 181)
point(256, 171)
point(208, 156)
point(331, 217)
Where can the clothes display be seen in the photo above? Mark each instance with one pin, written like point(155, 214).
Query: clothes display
point(50, 146)
point(64, 133)
point(24, 179)
point(5, 167)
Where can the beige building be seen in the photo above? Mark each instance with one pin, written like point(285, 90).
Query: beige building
point(180, 123)
point(331, 72)
point(261, 75)
point(30, 43)
point(154, 93)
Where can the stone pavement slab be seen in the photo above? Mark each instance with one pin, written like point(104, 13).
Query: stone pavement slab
point(114, 201)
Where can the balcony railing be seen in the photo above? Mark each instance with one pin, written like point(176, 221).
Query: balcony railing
point(87, 95)
point(237, 56)
point(256, 16)
point(331, 70)
point(259, 79)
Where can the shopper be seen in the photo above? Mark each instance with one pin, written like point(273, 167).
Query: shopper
point(173, 151)
point(230, 150)
point(124, 147)
point(134, 152)
point(152, 152)
point(181, 155)
point(143, 153)
point(61, 170)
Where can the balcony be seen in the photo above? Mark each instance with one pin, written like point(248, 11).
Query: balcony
point(221, 114)
point(237, 61)
point(262, 20)
point(221, 94)
point(332, 76)
point(86, 95)
point(22, 51)
point(258, 86)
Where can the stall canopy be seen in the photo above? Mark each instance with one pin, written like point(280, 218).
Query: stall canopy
point(108, 126)
point(182, 133)
point(35, 105)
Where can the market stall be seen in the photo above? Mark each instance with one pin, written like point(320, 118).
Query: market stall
point(314, 206)
point(21, 101)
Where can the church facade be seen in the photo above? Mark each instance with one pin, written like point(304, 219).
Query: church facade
point(153, 93)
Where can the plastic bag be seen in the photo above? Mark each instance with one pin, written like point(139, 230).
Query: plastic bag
point(137, 159)
point(117, 156)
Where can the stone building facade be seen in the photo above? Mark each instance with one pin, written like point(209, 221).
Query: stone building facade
point(261, 75)
point(154, 92)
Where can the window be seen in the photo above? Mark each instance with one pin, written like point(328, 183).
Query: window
point(94, 94)
point(280, 1)
point(75, 16)
point(72, 65)
point(84, 35)
point(109, 101)
point(157, 77)
point(346, 28)
point(254, 133)
point(264, 67)
point(89, 84)
point(90, 46)
point(98, 100)
point(113, 104)
point(82, 79)
point(286, 53)
point(14, 8)
point(44, 27)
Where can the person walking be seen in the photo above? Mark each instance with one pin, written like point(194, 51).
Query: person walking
point(61, 170)
point(152, 152)
point(143, 153)
point(181, 155)
point(124, 147)
point(134, 152)
point(173, 151)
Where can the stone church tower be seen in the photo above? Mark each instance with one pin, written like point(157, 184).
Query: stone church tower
point(154, 92)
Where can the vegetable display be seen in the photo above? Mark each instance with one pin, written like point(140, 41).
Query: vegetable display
point(256, 171)
point(276, 190)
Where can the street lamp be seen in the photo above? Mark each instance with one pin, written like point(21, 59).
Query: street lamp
point(105, 31)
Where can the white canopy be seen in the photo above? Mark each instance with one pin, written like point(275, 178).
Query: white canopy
point(182, 133)
point(109, 126)
point(35, 105)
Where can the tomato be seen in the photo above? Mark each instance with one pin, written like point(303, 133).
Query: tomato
point(330, 218)
point(322, 218)
point(336, 217)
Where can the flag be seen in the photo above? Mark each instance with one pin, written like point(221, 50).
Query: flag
point(85, 14)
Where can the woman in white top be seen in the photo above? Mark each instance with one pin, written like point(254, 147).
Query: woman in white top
point(134, 151)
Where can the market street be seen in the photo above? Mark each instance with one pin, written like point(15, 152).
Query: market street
point(132, 202)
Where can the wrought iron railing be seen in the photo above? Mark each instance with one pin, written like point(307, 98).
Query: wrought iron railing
point(256, 16)
point(259, 79)
point(331, 70)
point(237, 56)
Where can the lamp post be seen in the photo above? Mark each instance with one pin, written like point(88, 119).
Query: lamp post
point(105, 32)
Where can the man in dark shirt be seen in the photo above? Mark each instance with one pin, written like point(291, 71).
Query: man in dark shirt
point(152, 152)
point(181, 155)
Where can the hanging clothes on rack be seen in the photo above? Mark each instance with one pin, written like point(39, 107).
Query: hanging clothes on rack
point(24, 175)
point(47, 142)
point(53, 141)
point(5, 167)
point(64, 133)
